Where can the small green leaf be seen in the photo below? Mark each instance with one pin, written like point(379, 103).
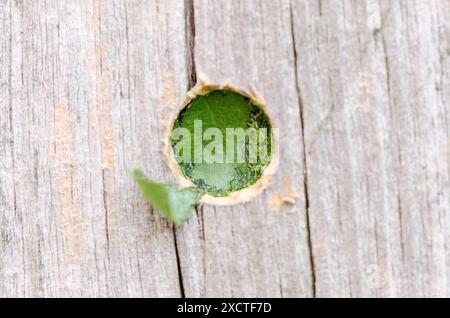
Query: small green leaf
point(173, 202)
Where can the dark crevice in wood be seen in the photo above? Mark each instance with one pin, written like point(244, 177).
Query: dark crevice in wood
point(305, 166)
point(391, 106)
point(199, 212)
point(191, 80)
point(320, 8)
point(106, 208)
point(105, 204)
point(201, 225)
point(190, 43)
point(104, 193)
point(400, 220)
point(177, 256)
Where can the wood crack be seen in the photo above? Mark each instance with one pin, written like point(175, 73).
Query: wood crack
point(105, 204)
point(199, 212)
point(305, 166)
point(177, 256)
point(191, 80)
point(391, 106)
point(190, 43)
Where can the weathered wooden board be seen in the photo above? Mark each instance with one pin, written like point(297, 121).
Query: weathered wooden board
point(251, 249)
point(84, 86)
point(359, 89)
point(374, 79)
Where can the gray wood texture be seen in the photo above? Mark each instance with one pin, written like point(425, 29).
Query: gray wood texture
point(374, 79)
point(360, 90)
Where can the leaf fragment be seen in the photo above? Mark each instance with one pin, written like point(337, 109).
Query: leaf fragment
point(173, 202)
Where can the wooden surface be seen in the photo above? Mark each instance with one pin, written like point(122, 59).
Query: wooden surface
point(359, 89)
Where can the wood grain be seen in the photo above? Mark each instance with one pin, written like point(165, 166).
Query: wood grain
point(84, 86)
point(374, 78)
point(360, 90)
point(251, 250)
